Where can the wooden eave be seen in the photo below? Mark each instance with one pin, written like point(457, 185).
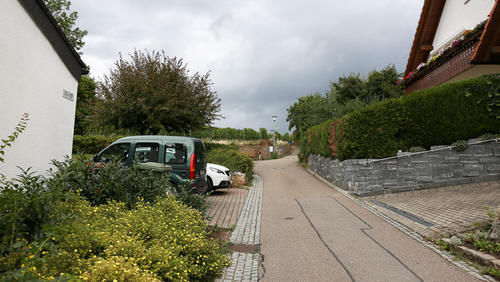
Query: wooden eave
point(426, 30)
point(488, 49)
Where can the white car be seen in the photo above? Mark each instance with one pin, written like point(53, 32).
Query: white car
point(218, 176)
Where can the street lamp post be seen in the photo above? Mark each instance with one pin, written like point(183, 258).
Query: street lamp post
point(275, 128)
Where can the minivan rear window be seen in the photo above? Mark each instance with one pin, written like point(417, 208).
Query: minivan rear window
point(175, 153)
point(146, 152)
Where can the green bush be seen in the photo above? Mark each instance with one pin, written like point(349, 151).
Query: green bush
point(91, 144)
point(209, 146)
point(100, 183)
point(438, 115)
point(186, 195)
point(233, 160)
point(164, 241)
point(25, 204)
point(460, 145)
point(416, 149)
point(319, 135)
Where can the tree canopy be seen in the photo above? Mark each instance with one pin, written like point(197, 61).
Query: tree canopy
point(308, 111)
point(86, 94)
point(66, 19)
point(349, 93)
point(151, 92)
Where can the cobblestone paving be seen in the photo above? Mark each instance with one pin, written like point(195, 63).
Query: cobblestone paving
point(244, 266)
point(247, 229)
point(226, 205)
point(451, 209)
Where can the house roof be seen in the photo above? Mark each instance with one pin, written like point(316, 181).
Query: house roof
point(488, 49)
point(426, 30)
point(42, 17)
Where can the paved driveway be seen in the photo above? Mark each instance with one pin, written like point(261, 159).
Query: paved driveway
point(435, 212)
point(225, 206)
point(310, 232)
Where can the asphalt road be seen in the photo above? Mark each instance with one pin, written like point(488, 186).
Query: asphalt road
point(310, 232)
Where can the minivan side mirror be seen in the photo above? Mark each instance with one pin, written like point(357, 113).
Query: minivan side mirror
point(96, 158)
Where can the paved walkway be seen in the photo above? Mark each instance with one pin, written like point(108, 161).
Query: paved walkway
point(245, 266)
point(226, 205)
point(434, 212)
point(311, 232)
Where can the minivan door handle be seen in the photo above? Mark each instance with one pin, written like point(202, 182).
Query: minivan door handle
point(183, 174)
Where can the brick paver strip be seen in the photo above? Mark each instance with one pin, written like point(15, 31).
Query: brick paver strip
point(226, 205)
point(245, 266)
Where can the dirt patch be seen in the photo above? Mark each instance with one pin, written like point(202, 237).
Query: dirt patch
point(243, 248)
point(266, 143)
point(219, 233)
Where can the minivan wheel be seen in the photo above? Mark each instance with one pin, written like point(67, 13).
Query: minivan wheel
point(175, 186)
point(210, 184)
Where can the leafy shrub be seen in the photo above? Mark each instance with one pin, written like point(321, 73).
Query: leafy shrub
point(489, 136)
point(460, 145)
point(111, 181)
point(416, 149)
point(210, 146)
point(91, 144)
point(417, 119)
point(186, 195)
point(25, 204)
point(163, 241)
point(233, 160)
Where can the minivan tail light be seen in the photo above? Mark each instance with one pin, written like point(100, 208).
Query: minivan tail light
point(192, 166)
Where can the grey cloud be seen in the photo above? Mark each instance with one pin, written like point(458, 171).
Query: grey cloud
point(262, 55)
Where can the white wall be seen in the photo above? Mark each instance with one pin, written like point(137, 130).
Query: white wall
point(32, 79)
point(458, 17)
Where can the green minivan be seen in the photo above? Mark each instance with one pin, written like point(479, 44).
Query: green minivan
point(185, 155)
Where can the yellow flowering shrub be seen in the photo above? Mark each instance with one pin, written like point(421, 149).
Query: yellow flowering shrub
point(117, 268)
point(166, 241)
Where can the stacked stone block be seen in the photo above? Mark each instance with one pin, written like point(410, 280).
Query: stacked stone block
point(441, 166)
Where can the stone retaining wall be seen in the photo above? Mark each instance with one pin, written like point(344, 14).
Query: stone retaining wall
point(411, 171)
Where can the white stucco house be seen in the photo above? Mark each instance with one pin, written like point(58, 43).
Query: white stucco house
point(455, 40)
point(39, 74)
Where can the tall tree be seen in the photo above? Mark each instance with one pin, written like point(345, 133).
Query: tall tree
point(84, 104)
point(349, 87)
point(66, 19)
point(308, 111)
point(263, 133)
point(382, 84)
point(152, 92)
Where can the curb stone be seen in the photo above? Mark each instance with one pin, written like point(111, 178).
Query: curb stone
point(462, 265)
point(244, 266)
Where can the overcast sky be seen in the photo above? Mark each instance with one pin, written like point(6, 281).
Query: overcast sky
point(262, 54)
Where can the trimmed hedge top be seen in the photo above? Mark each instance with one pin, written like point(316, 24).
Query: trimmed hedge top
point(438, 115)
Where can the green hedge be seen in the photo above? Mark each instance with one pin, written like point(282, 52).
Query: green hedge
point(434, 116)
point(233, 160)
point(91, 144)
